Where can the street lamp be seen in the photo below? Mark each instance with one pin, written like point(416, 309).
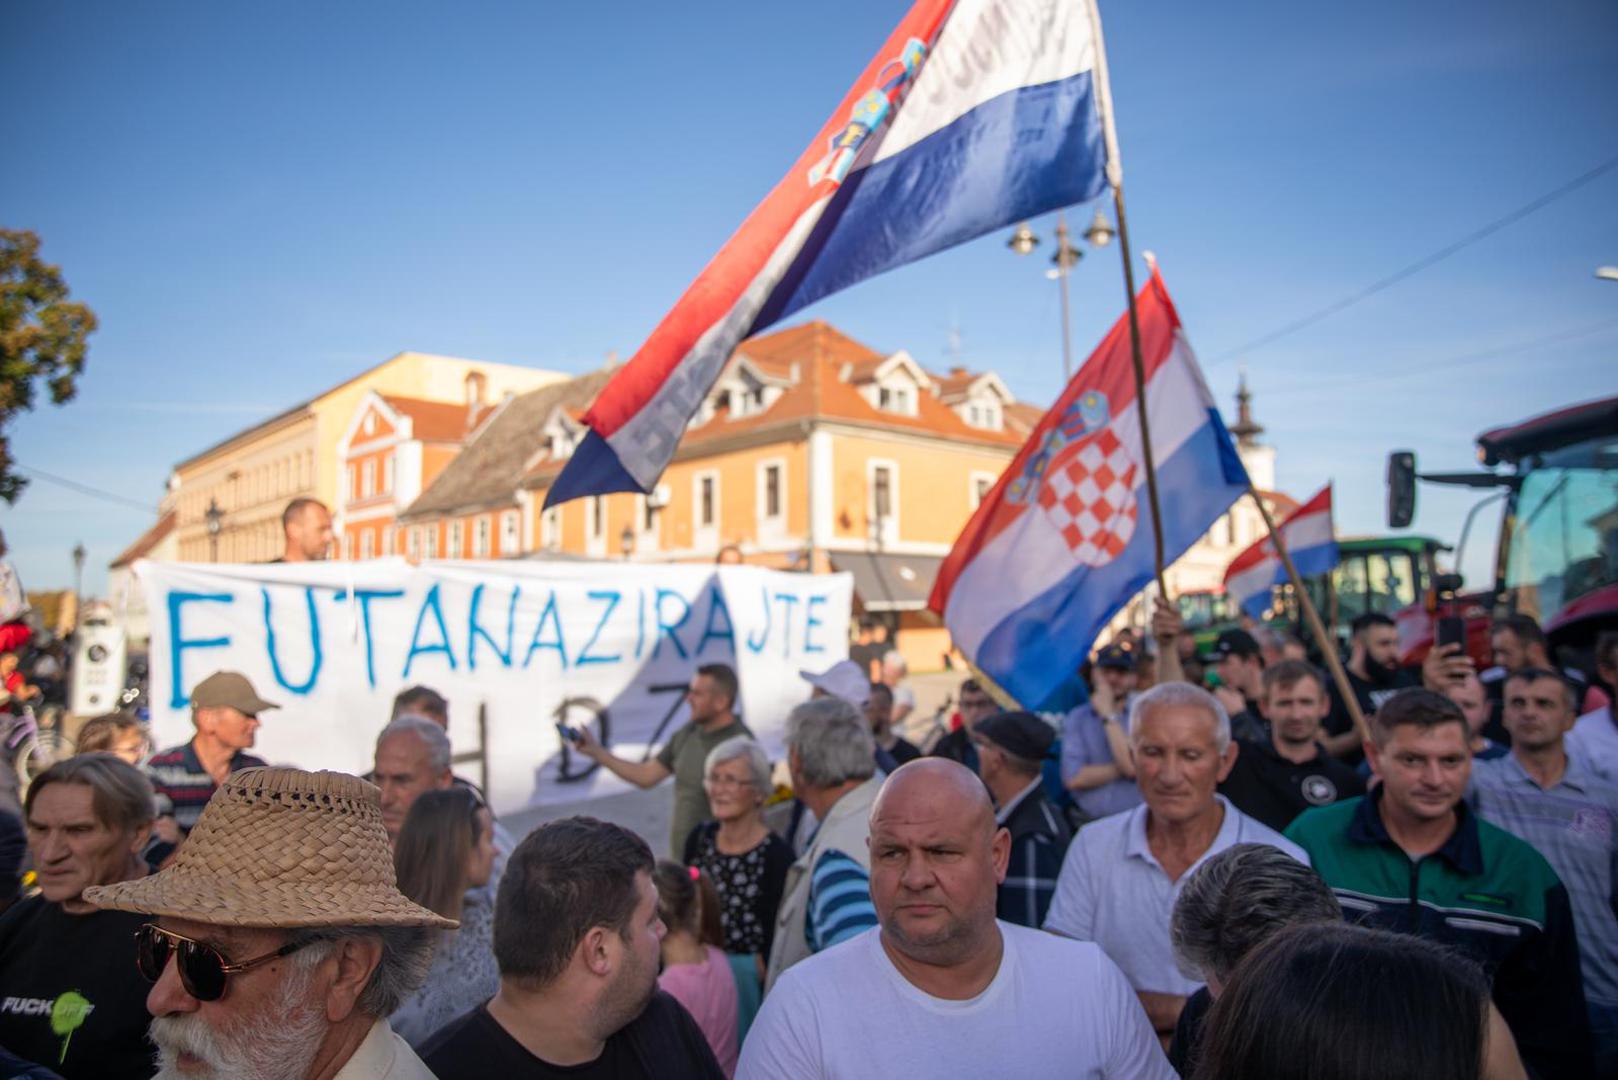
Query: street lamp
point(214, 517)
point(78, 585)
point(626, 542)
point(1067, 256)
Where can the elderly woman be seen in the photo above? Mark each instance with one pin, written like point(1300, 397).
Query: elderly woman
point(746, 862)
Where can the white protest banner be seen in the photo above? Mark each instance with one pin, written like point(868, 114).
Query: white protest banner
point(532, 643)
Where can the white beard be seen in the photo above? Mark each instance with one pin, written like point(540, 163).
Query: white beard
point(279, 1043)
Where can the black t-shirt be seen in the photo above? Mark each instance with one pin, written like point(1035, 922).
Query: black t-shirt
point(70, 996)
point(1370, 695)
point(1188, 1031)
point(1269, 788)
point(903, 750)
point(662, 1042)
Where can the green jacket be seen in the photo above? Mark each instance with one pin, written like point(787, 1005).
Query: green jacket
point(1485, 893)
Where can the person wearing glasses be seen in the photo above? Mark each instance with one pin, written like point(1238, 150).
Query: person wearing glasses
point(277, 943)
point(745, 861)
point(67, 1001)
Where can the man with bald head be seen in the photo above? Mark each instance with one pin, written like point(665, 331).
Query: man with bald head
point(973, 996)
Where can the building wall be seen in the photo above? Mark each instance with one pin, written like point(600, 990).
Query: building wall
point(934, 494)
point(252, 482)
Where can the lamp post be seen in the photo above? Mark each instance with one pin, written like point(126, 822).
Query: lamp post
point(626, 542)
point(78, 585)
point(214, 517)
point(1023, 242)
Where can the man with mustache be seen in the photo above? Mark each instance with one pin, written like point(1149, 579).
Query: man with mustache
point(277, 942)
point(966, 994)
point(1411, 857)
point(1374, 674)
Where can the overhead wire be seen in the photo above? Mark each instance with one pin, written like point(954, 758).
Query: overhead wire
point(83, 489)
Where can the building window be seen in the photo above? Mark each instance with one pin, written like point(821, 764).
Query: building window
point(895, 399)
point(387, 474)
point(550, 527)
point(510, 543)
point(453, 541)
point(707, 500)
point(432, 541)
point(367, 544)
point(598, 517)
point(368, 478)
point(883, 510)
point(480, 537)
point(413, 543)
point(388, 539)
point(772, 490)
point(350, 476)
point(981, 484)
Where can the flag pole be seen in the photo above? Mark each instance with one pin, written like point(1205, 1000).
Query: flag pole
point(1115, 177)
point(1328, 645)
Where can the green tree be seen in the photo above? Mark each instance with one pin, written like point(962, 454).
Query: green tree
point(42, 340)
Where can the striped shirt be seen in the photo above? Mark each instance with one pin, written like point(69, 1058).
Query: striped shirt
point(839, 901)
point(183, 786)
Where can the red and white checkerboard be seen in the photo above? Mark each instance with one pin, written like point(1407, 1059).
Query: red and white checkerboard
point(1089, 492)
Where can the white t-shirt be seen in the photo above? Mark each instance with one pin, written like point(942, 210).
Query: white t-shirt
point(1056, 1008)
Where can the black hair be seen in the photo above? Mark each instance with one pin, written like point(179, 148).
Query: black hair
point(1417, 707)
point(1524, 626)
point(1367, 620)
point(421, 699)
point(724, 677)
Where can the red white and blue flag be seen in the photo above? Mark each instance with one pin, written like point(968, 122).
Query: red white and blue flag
point(1065, 538)
point(974, 114)
point(1310, 540)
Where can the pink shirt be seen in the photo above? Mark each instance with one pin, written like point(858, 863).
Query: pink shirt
point(708, 992)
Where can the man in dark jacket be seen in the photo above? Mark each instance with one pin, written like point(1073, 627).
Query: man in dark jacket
point(1010, 748)
point(1411, 857)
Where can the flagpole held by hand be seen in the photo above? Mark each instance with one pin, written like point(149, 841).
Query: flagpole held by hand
point(1328, 645)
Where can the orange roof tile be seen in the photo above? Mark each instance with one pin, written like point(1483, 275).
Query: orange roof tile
point(431, 421)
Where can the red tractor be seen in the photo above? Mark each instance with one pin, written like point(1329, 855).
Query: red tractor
point(1557, 558)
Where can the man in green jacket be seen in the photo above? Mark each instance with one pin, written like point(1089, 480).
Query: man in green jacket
point(1411, 857)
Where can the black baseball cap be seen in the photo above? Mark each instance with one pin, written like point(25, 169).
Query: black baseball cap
point(1020, 734)
point(1118, 657)
point(1235, 643)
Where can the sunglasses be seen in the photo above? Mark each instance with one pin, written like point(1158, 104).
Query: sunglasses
point(203, 968)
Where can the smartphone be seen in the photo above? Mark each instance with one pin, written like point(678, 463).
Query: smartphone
point(572, 735)
point(1451, 631)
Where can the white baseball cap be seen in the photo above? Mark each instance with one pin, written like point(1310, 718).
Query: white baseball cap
point(844, 679)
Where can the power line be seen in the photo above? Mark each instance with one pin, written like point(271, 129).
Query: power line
point(83, 489)
point(1421, 264)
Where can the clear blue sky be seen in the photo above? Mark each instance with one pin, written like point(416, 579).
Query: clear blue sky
point(261, 200)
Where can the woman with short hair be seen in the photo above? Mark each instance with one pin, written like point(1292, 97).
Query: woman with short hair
point(443, 858)
point(746, 862)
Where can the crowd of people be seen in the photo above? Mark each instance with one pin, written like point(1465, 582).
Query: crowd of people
point(1204, 871)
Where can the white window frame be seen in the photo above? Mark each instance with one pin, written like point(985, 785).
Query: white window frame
point(706, 535)
point(596, 516)
point(431, 550)
point(648, 524)
point(368, 478)
point(367, 544)
point(510, 533)
point(413, 542)
point(390, 539)
point(773, 524)
point(482, 536)
point(454, 539)
point(550, 528)
point(974, 498)
point(889, 531)
point(387, 473)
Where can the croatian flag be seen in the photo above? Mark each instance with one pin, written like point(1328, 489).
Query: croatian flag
point(1310, 540)
point(974, 114)
point(1065, 538)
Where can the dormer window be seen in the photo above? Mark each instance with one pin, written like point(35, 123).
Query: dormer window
point(895, 399)
point(561, 444)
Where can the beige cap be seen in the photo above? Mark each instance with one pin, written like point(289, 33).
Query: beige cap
point(229, 689)
point(283, 848)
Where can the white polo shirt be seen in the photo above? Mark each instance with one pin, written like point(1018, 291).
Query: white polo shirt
point(1113, 891)
point(1055, 1009)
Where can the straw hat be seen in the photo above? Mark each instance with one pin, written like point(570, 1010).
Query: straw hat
point(281, 848)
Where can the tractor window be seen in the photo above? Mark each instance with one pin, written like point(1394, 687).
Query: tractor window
point(1564, 540)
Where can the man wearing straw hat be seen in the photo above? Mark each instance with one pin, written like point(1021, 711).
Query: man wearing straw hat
point(280, 941)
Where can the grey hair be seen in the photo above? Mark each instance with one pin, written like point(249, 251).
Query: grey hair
point(407, 954)
point(895, 659)
point(1239, 898)
point(758, 762)
point(1181, 695)
point(431, 734)
point(833, 742)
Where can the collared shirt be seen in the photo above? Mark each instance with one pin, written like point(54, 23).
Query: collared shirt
point(1039, 840)
point(1596, 733)
point(1084, 742)
point(1484, 892)
point(383, 1056)
point(177, 775)
point(1574, 824)
point(1113, 891)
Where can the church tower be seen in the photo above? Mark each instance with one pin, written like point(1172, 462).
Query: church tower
point(1258, 458)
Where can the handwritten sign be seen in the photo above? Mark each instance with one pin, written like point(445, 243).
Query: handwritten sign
point(534, 644)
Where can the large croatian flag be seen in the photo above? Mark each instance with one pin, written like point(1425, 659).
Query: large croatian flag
point(974, 114)
point(1310, 540)
point(1065, 538)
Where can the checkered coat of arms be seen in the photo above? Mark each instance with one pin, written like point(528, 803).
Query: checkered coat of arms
point(1083, 478)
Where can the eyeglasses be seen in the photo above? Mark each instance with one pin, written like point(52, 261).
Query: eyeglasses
point(203, 968)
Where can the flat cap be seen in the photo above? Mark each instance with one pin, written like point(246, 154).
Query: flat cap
point(1020, 734)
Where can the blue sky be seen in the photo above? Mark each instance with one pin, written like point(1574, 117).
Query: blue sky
point(261, 200)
